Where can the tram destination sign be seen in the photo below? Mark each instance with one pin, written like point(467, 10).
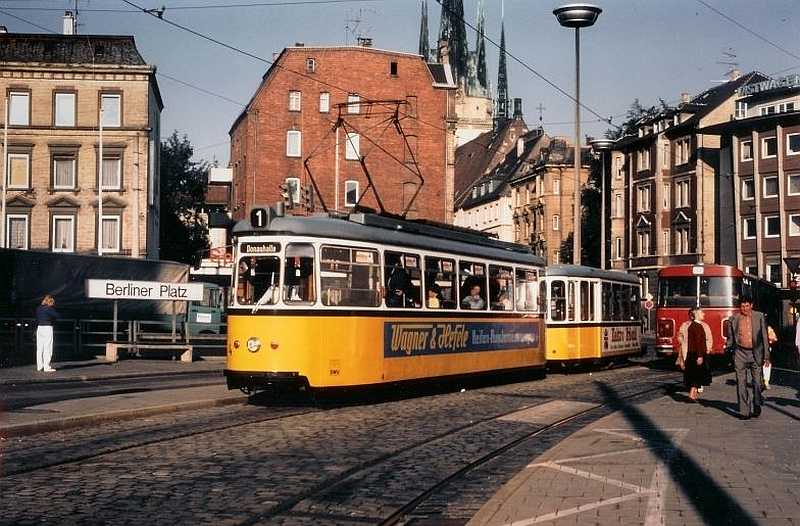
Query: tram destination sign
point(118, 289)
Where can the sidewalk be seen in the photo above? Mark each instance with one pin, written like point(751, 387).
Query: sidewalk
point(90, 410)
point(100, 369)
point(667, 462)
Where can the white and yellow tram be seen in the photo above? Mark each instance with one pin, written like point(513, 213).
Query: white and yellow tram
point(329, 302)
point(593, 315)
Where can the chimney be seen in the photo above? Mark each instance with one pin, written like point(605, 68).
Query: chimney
point(520, 147)
point(364, 41)
point(3, 29)
point(69, 23)
point(275, 56)
point(517, 108)
point(299, 44)
point(734, 74)
point(684, 97)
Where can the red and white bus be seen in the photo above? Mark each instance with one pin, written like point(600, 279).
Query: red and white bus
point(715, 288)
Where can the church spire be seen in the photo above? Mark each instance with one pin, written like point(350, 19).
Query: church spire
point(424, 42)
point(453, 30)
point(480, 47)
point(502, 79)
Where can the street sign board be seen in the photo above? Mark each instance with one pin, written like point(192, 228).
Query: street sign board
point(118, 289)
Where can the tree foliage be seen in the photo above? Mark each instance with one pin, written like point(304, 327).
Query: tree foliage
point(635, 112)
point(590, 221)
point(183, 235)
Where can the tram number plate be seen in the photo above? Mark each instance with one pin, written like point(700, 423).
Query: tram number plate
point(414, 339)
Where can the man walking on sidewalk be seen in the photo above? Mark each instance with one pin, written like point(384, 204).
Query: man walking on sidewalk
point(747, 336)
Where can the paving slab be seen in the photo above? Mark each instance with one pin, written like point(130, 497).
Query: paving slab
point(666, 462)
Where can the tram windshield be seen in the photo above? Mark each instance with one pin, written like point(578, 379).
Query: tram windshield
point(259, 280)
point(299, 273)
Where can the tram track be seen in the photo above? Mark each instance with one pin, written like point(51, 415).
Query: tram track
point(292, 507)
point(10, 470)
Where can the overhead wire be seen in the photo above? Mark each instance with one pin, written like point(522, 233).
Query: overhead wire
point(198, 7)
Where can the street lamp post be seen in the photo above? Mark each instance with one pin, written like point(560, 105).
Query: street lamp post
point(577, 16)
point(602, 146)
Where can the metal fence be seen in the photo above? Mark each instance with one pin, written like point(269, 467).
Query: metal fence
point(85, 339)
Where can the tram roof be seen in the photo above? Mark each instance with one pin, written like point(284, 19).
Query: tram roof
point(581, 271)
point(374, 228)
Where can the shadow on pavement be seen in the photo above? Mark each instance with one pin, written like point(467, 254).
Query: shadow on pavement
point(711, 501)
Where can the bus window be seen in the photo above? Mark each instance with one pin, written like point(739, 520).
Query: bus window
point(403, 280)
point(350, 277)
point(298, 274)
point(258, 280)
point(526, 289)
point(558, 301)
point(587, 301)
point(608, 302)
point(440, 283)
point(501, 287)
point(571, 300)
point(677, 292)
point(720, 291)
point(472, 285)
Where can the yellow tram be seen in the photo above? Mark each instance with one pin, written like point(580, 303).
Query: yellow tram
point(592, 315)
point(365, 299)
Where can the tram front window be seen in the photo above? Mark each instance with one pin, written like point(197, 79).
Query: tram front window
point(299, 274)
point(720, 291)
point(677, 292)
point(259, 280)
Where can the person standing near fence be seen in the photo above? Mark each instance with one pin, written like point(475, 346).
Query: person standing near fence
point(46, 315)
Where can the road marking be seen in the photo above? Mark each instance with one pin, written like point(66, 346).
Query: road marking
point(656, 492)
point(548, 412)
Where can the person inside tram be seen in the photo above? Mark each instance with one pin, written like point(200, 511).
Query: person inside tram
point(475, 299)
point(398, 287)
point(503, 301)
point(434, 293)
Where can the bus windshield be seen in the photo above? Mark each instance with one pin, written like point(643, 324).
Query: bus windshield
point(720, 292)
point(677, 292)
point(713, 291)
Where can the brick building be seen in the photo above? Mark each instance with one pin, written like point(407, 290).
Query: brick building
point(666, 200)
point(54, 85)
point(291, 117)
point(760, 168)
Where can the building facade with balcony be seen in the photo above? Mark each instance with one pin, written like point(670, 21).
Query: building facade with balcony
point(55, 87)
point(667, 204)
point(288, 129)
point(760, 165)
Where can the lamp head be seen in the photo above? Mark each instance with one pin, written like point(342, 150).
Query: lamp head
point(577, 15)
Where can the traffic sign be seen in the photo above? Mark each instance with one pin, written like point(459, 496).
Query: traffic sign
point(648, 304)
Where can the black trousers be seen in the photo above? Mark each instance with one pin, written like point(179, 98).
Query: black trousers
point(744, 361)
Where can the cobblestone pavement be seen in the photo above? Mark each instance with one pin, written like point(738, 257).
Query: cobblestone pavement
point(351, 464)
point(666, 462)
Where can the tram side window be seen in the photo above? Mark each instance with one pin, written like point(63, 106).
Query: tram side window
point(472, 281)
point(587, 301)
point(558, 301)
point(440, 283)
point(608, 302)
point(526, 289)
point(403, 280)
point(501, 287)
point(350, 277)
point(259, 280)
point(571, 300)
point(636, 303)
point(298, 274)
point(622, 310)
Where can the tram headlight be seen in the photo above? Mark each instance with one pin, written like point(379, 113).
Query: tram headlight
point(253, 344)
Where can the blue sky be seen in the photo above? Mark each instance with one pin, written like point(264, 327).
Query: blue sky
point(648, 49)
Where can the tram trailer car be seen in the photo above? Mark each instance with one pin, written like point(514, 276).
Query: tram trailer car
point(593, 315)
point(364, 300)
point(715, 288)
